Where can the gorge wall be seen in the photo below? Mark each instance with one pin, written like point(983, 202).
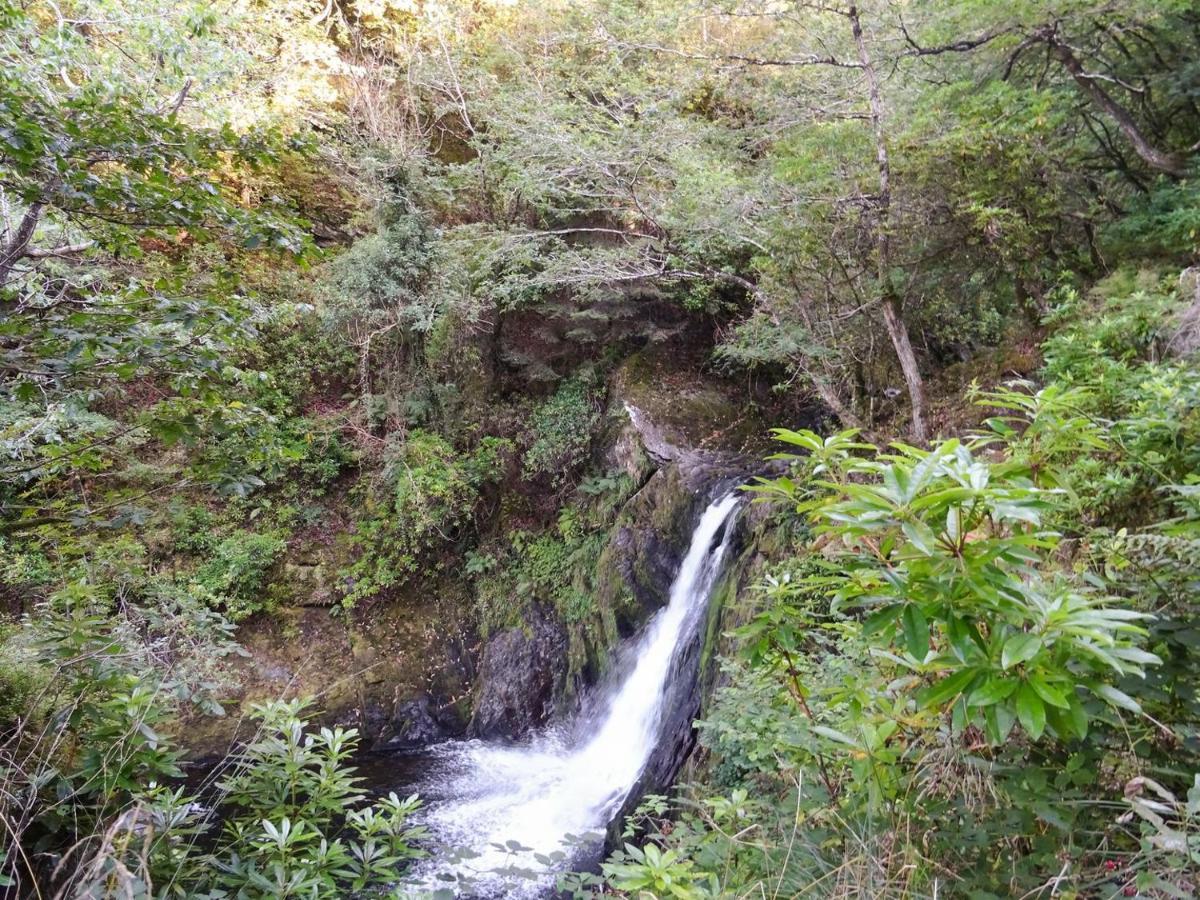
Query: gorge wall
point(416, 666)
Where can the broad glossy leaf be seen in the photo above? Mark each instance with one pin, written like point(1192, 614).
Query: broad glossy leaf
point(916, 630)
point(947, 688)
point(993, 690)
point(999, 721)
point(1111, 695)
point(1052, 694)
point(1031, 711)
point(877, 621)
point(1018, 649)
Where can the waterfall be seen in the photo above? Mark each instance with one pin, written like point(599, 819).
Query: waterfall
point(564, 784)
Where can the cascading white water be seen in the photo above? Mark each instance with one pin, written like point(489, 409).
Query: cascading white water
point(540, 793)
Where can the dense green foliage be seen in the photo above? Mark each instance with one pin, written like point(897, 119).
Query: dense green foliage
point(557, 566)
point(562, 428)
point(237, 570)
point(943, 660)
point(310, 312)
point(429, 491)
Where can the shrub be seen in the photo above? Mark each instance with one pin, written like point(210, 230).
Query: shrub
point(378, 288)
point(91, 744)
point(21, 679)
point(562, 433)
point(292, 819)
point(556, 566)
point(946, 556)
point(237, 572)
point(1162, 220)
point(301, 356)
point(323, 453)
point(930, 666)
point(428, 493)
point(192, 528)
point(386, 269)
point(1109, 350)
point(297, 822)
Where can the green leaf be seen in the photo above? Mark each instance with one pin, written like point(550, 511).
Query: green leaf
point(948, 687)
point(1069, 722)
point(1031, 712)
point(1048, 692)
point(1111, 695)
point(1018, 649)
point(998, 720)
point(916, 630)
point(964, 639)
point(920, 536)
point(879, 620)
point(954, 523)
point(1078, 717)
point(833, 735)
point(992, 691)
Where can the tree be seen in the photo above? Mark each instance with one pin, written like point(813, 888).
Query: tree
point(897, 330)
point(1108, 50)
point(94, 176)
point(1173, 164)
point(625, 165)
point(878, 208)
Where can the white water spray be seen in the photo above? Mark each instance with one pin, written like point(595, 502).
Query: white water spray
point(538, 794)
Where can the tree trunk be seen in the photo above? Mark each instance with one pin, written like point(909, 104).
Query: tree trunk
point(1186, 339)
point(831, 398)
point(18, 245)
point(496, 348)
point(1168, 163)
point(897, 330)
point(1033, 307)
point(908, 364)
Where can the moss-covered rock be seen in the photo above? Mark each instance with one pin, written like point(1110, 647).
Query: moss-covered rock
point(363, 668)
point(634, 574)
point(521, 675)
point(680, 410)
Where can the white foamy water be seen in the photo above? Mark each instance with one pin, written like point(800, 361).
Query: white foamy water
point(539, 793)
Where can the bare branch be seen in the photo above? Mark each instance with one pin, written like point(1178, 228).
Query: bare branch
point(179, 100)
point(960, 46)
point(18, 247)
point(64, 250)
point(1175, 165)
point(740, 59)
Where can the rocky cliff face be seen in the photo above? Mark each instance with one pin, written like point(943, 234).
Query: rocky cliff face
point(539, 669)
point(521, 677)
point(409, 671)
point(401, 671)
point(678, 435)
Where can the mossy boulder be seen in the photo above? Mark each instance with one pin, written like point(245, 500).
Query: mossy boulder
point(647, 542)
point(362, 668)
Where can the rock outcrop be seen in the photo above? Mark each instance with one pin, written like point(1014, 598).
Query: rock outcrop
point(520, 677)
point(418, 722)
